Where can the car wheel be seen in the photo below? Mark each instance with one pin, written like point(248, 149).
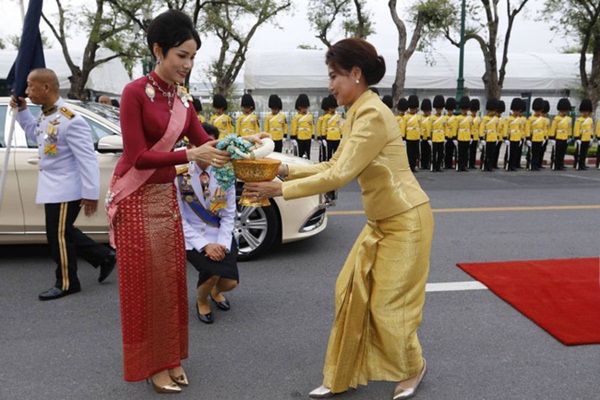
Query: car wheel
point(255, 230)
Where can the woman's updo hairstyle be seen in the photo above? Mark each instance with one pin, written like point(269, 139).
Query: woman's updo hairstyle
point(170, 29)
point(355, 52)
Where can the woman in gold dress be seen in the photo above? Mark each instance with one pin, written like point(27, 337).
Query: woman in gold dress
point(380, 291)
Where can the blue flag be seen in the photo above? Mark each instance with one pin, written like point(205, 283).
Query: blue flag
point(31, 53)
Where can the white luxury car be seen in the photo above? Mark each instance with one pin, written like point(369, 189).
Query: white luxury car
point(22, 221)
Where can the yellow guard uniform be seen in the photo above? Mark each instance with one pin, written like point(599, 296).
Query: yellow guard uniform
point(247, 124)
point(303, 126)
point(276, 125)
point(224, 123)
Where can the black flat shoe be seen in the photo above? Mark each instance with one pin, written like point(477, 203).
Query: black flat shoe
point(206, 318)
point(223, 305)
point(56, 293)
point(107, 266)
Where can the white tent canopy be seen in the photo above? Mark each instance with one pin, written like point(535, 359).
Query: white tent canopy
point(305, 69)
point(109, 77)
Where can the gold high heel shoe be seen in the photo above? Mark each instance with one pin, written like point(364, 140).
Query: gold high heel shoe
point(408, 388)
point(180, 379)
point(169, 388)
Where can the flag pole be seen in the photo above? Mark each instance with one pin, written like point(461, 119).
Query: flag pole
point(11, 130)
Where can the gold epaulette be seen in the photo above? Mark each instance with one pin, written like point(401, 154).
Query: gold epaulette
point(181, 169)
point(66, 112)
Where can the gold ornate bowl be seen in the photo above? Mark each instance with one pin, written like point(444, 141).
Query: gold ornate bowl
point(262, 170)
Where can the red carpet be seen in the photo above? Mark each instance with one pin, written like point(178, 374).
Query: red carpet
point(561, 296)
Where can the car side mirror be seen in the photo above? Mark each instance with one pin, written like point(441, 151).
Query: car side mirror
point(110, 144)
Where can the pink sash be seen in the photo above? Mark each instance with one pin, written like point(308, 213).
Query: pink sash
point(134, 178)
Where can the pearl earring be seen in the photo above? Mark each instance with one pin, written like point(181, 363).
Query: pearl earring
point(158, 61)
point(357, 81)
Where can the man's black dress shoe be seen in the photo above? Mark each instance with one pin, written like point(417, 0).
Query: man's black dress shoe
point(107, 266)
point(57, 293)
point(206, 318)
point(223, 305)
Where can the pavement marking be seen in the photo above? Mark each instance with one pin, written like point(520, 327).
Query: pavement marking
point(487, 209)
point(586, 178)
point(454, 286)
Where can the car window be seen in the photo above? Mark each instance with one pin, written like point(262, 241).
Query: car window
point(98, 130)
point(3, 127)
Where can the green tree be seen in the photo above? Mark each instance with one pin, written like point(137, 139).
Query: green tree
point(581, 22)
point(493, 78)
point(351, 16)
point(429, 18)
point(235, 23)
point(105, 26)
point(15, 41)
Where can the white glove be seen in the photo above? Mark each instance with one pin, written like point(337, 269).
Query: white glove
point(552, 142)
point(455, 142)
point(324, 142)
point(506, 142)
point(470, 142)
point(482, 142)
point(529, 143)
point(294, 142)
point(429, 142)
point(578, 142)
point(590, 143)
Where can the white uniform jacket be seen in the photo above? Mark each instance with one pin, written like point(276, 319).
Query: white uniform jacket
point(68, 163)
point(197, 232)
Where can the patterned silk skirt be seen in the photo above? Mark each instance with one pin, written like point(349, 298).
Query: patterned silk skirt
point(152, 281)
point(379, 298)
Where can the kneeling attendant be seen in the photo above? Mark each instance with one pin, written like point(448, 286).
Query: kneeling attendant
point(208, 219)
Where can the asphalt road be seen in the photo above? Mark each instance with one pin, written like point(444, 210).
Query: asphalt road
point(271, 344)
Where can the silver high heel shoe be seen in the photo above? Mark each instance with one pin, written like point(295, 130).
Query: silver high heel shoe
point(322, 392)
point(408, 388)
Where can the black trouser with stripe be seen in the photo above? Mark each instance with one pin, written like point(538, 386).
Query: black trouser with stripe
point(448, 153)
point(561, 150)
point(425, 154)
point(463, 154)
point(583, 150)
point(438, 155)
point(67, 242)
point(412, 150)
point(278, 145)
point(332, 146)
point(536, 155)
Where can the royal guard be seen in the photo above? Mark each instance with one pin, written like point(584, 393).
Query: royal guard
point(514, 130)
point(276, 122)
point(501, 138)
point(331, 125)
point(464, 124)
point(198, 107)
point(412, 131)
point(584, 128)
point(426, 134)
point(451, 142)
point(561, 132)
point(536, 132)
point(321, 132)
point(402, 107)
point(488, 131)
point(438, 133)
point(548, 139)
point(222, 121)
point(303, 126)
point(476, 120)
point(247, 123)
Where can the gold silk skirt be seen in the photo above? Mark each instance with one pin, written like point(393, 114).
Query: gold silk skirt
point(379, 298)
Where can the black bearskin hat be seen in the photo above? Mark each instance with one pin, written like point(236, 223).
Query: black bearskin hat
point(586, 105)
point(438, 101)
point(219, 101)
point(465, 103)
point(538, 104)
point(564, 105)
point(332, 101)
point(388, 101)
point(413, 101)
point(302, 101)
point(402, 104)
point(491, 105)
point(450, 103)
point(275, 102)
point(247, 101)
point(426, 105)
point(475, 105)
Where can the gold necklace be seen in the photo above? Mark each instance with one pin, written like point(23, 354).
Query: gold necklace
point(169, 95)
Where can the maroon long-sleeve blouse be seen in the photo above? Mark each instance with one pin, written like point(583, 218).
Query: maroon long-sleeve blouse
point(144, 122)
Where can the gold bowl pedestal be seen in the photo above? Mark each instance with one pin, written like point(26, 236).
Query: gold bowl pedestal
point(262, 170)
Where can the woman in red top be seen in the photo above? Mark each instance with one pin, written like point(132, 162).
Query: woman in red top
point(147, 229)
